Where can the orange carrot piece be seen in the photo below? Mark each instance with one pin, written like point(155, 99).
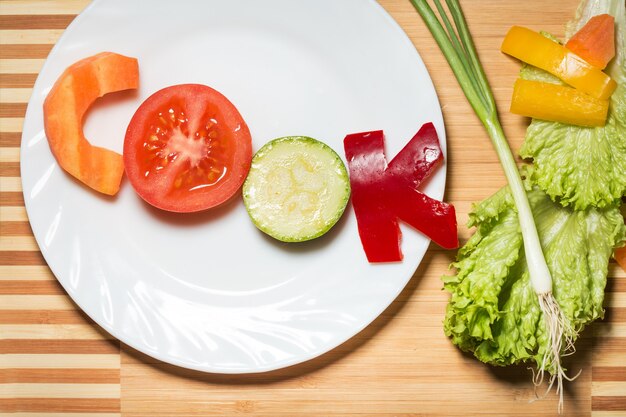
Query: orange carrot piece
point(620, 257)
point(65, 106)
point(595, 42)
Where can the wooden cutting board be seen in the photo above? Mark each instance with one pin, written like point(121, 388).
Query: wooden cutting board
point(54, 361)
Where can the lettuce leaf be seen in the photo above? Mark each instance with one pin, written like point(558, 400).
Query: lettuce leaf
point(493, 310)
point(583, 166)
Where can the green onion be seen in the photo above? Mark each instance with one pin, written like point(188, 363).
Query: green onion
point(457, 46)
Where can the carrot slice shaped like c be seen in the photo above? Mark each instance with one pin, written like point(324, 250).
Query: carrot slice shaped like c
point(65, 106)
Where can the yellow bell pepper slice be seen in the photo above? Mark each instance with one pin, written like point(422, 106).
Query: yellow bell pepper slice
point(541, 52)
point(557, 103)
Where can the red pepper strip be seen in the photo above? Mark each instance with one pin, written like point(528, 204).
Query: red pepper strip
point(383, 194)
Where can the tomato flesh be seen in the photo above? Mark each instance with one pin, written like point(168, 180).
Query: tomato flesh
point(187, 149)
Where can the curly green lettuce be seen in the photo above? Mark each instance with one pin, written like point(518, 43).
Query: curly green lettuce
point(493, 310)
point(583, 166)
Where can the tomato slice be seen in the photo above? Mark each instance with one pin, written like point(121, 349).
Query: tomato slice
point(187, 149)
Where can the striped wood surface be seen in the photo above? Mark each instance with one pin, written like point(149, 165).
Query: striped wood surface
point(54, 361)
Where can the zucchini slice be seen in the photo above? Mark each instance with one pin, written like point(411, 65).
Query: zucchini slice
point(297, 188)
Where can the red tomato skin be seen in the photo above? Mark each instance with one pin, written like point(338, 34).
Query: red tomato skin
point(384, 193)
point(192, 97)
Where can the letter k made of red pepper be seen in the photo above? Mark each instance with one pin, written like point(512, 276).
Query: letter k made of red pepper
point(384, 193)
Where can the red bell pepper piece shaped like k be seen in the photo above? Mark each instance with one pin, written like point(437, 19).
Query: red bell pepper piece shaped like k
point(384, 193)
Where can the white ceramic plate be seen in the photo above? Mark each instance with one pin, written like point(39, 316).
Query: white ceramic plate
point(209, 291)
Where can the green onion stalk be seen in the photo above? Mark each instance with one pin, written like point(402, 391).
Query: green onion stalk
point(455, 41)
